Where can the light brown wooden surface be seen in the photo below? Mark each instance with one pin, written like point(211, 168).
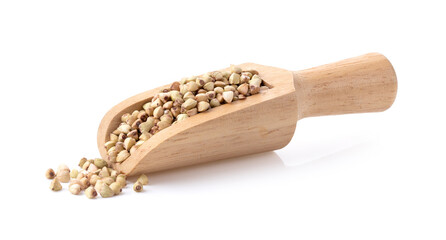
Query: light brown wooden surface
point(261, 122)
point(362, 84)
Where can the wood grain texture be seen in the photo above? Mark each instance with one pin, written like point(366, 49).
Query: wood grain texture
point(261, 122)
point(361, 84)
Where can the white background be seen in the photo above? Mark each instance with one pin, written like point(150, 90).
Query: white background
point(63, 64)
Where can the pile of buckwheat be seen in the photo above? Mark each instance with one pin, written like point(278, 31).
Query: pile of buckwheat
point(183, 99)
point(94, 177)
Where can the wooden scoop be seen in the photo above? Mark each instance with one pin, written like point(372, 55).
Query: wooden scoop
point(261, 122)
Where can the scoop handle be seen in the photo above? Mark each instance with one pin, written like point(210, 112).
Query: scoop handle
point(361, 84)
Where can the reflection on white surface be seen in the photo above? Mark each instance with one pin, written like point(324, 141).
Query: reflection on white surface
point(308, 150)
point(222, 170)
point(301, 151)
